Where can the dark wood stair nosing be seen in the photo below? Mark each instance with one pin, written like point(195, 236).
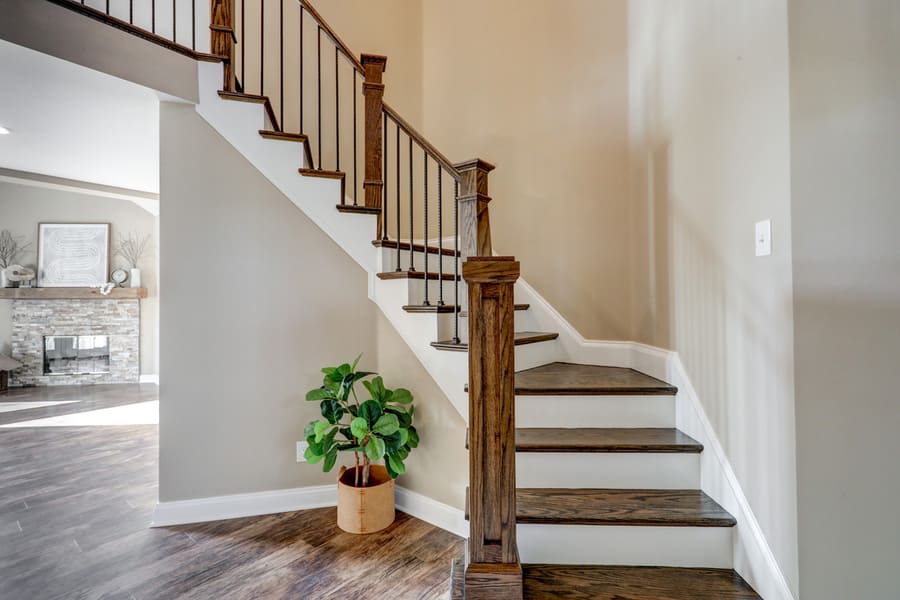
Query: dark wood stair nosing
point(257, 99)
point(609, 440)
point(407, 274)
point(417, 248)
point(535, 338)
point(447, 308)
point(359, 210)
point(323, 173)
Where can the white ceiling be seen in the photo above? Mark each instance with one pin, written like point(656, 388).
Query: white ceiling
point(72, 122)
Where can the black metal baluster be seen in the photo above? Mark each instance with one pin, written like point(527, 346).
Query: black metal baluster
point(152, 16)
point(355, 118)
point(425, 231)
point(130, 11)
point(384, 186)
point(301, 74)
point(440, 235)
point(107, 5)
point(262, 47)
point(243, 46)
point(398, 197)
point(281, 63)
point(456, 260)
point(174, 27)
point(412, 258)
point(337, 112)
point(194, 24)
point(319, 88)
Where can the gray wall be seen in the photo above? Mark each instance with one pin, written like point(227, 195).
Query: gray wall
point(845, 138)
point(255, 300)
point(22, 207)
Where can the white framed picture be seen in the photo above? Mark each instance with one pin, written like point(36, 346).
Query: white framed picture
point(73, 254)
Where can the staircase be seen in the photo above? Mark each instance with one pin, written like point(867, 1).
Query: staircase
point(582, 487)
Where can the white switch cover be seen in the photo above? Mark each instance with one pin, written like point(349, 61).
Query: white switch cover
point(764, 238)
point(301, 451)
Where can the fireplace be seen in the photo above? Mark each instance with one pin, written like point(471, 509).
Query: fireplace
point(76, 354)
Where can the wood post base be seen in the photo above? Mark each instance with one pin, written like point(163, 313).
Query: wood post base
point(493, 581)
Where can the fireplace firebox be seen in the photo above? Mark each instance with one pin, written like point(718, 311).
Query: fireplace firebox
point(76, 354)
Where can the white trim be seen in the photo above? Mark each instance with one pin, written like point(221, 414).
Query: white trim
point(149, 378)
point(217, 508)
point(431, 511)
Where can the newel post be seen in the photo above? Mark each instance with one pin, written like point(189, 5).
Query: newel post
point(373, 89)
point(493, 572)
point(474, 221)
point(222, 37)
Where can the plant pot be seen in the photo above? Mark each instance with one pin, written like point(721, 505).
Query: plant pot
point(365, 509)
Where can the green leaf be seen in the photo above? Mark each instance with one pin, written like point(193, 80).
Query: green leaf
point(320, 427)
point(396, 464)
point(359, 427)
point(387, 425)
point(403, 417)
point(330, 459)
point(332, 411)
point(355, 362)
point(318, 394)
point(345, 431)
point(312, 457)
point(375, 448)
point(413, 438)
point(404, 437)
point(310, 429)
point(393, 474)
point(370, 410)
point(402, 396)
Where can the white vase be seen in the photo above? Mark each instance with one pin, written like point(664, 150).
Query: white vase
point(134, 280)
point(4, 281)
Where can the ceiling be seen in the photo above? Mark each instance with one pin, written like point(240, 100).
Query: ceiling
point(72, 122)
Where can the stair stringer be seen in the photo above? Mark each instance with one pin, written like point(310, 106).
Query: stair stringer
point(239, 123)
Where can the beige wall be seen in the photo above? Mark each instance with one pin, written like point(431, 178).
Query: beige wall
point(845, 144)
point(710, 156)
point(22, 207)
point(256, 299)
point(539, 89)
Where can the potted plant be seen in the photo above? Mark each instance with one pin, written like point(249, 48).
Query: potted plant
point(374, 429)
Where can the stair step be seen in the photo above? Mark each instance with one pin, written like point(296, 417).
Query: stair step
point(359, 210)
point(415, 275)
point(270, 134)
point(567, 379)
point(521, 338)
point(571, 582)
point(446, 308)
point(612, 440)
point(322, 173)
point(662, 508)
point(417, 248)
point(264, 100)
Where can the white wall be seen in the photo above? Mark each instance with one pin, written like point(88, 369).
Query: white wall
point(710, 156)
point(845, 147)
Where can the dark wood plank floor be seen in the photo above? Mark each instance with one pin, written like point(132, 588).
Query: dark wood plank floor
point(75, 504)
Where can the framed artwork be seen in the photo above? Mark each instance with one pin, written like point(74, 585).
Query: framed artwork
point(73, 254)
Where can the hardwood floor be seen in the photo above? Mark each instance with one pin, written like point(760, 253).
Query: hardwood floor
point(76, 502)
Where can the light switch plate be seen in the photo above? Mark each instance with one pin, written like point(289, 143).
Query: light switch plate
point(764, 238)
point(301, 451)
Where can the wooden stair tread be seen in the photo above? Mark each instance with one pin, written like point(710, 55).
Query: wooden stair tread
point(417, 248)
point(264, 100)
point(611, 440)
point(416, 275)
point(521, 338)
point(580, 582)
point(567, 379)
point(322, 173)
point(359, 210)
point(446, 308)
point(669, 508)
point(283, 135)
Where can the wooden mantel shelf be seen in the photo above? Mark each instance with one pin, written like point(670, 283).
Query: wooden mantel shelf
point(80, 293)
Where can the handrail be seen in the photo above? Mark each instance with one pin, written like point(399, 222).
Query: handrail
point(348, 54)
point(420, 139)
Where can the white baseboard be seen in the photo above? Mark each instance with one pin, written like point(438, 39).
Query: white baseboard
point(149, 379)
point(433, 512)
point(233, 506)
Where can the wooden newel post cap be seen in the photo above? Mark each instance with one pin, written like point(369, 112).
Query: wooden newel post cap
point(490, 269)
point(474, 164)
point(376, 61)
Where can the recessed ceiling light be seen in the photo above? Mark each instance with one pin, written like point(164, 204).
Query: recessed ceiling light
point(4, 130)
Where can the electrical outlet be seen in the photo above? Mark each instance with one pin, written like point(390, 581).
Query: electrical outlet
point(301, 451)
point(764, 238)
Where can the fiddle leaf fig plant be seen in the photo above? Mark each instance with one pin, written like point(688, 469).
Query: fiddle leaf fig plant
point(374, 429)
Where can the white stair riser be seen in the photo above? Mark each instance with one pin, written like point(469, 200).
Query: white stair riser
point(594, 411)
point(389, 261)
point(673, 471)
point(417, 291)
point(709, 547)
point(523, 322)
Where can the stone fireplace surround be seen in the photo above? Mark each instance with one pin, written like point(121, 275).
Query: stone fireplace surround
point(33, 319)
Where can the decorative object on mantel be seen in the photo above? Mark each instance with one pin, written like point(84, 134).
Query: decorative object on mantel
point(133, 248)
point(107, 288)
point(11, 247)
point(7, 364)
point(378, 428)
point(20, 275)
point(119, 276)
point(73, 254)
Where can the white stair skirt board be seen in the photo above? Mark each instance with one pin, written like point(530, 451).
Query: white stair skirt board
point(595, 411)
point(149, 379)
point(624, 545)
point(672, 471)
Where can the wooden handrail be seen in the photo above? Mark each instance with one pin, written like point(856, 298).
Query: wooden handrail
point(345, 50)
point(417, 137)
point(493, 571)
